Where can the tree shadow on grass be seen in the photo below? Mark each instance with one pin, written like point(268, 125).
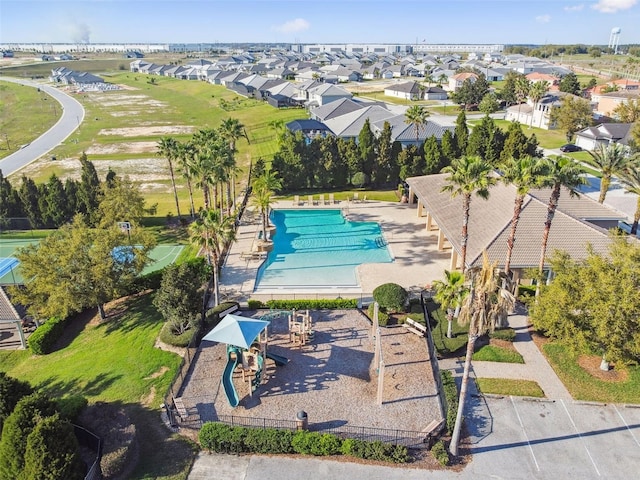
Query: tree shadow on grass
point(78, 386)
point(136, 312)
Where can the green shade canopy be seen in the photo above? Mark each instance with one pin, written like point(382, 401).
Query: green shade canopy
point(237, 330)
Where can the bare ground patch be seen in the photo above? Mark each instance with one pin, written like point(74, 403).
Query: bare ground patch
point(128, 147)
point(591, 363)
point(148, 131)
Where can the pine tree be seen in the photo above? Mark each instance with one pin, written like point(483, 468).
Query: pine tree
point(29, 198)
point(432, 156)
point(461, 133)
point(55, 212)
point(89, 189)
point(384, 165)
point(448, 147)
point(367, 147)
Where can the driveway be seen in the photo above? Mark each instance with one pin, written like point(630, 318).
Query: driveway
point(72, 117)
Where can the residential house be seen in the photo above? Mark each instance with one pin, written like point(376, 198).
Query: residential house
point(537, 115)
point(138, 65)
point(406, 90)
point(407, 133)
point(435, 93)
point(606, 103)
point(456, 81)
point(324, 93)
point(334, 109)
point(309, 128)
point(604, 134)
point(350, 125)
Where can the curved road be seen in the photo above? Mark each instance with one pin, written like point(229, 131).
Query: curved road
point(72, 116)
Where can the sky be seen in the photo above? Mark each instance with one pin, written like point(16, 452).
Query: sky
point(409, 22)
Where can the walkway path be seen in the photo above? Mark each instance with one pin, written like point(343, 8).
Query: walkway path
point(535, 365)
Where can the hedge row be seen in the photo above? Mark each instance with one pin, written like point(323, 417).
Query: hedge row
point(213, 314)
point(451, 395)
point(310, 304)
point(167, 336)
point(46, 335)
point(223, 438)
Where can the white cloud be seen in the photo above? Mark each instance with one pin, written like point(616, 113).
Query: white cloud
point(543, 18)
point(293, 26)
point(612, 6)
point(574, 8)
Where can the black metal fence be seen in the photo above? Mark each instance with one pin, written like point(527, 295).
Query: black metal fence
point(94, 443)
point(425, 296)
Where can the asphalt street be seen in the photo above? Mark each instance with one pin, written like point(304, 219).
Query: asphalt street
point(72, 117)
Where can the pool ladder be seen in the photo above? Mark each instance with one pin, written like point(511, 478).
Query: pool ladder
point(380, 242)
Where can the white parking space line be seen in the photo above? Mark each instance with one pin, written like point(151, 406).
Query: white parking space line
point(581, 439)
point(524, 432)
point(627, 425)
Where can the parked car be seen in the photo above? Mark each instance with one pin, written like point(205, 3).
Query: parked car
point(570, 147)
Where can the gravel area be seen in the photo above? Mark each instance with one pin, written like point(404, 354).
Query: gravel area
point(332, 378)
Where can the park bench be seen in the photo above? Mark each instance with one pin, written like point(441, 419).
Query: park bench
point(180, 408)
point(231, 309)
point(432, 430)
point(415, 327)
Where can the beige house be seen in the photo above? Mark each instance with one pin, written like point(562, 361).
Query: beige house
point(577, 222)
point(607, 102)
point(456, 81)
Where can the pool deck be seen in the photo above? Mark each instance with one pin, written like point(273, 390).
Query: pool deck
point(417, 261)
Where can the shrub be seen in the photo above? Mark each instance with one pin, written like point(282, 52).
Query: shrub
point(11, 391)
point(377, 451)
point(178, 299)
point(71, 407)
point(255, 304)
point(148, 281)
point(46, 335)
point(391, 297)
point(222, 438)
point(507, 334)
point(383, 318)
point(212, 317)
point(440, 453)
point(451, 395)
point(269, 440)
point(399, 454)
point(167, 336)
point(313, 304)
point(525, 291)
point(354, 448)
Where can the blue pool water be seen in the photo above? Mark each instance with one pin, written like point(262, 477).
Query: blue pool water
point(319, 248)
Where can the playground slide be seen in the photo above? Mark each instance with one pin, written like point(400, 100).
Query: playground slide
point(227, 380)
point(279, 359)
point(257, 379)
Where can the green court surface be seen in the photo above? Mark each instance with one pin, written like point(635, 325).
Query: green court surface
point(161, 256)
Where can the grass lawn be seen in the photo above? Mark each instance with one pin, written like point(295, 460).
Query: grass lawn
point(492, 353)
point(583, 386)
point(115, 362)
point(505, 386)
point(446, 347)
point(37, 115)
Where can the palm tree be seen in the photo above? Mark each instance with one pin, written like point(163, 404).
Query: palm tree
point(486, 303)
point(467, 175)
point(524, 173)
point(450, 294)
point(213, 233)
point(168, 147)
point(263, 188)
point(559, 172)
point(521, 89)
point(630, 178)
point(231, 130)
point(416, 115)
point(185, 157)
point(536, 92)
point(610, 160)
point(442, 79)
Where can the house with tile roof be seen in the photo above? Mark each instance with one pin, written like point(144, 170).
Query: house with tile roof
point(456, 81)
point(604, 134)
point(578, 222)
point(606, 103)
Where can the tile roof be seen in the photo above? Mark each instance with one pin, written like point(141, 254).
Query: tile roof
point(490, 221)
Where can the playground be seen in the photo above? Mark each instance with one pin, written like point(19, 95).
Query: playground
point(329, 368)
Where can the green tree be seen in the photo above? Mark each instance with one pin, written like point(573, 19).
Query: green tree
point(88, 190)
point(52, 452)
point(332, 168)
point(570, 84)
point(55, 211)
point(592, 304)
point(628, 112)
point(595, 52)
point(28, 195)
point(630, 179)
point(178, 299)
point(367, 146)
point(9, 200)
point(123, 202)
point(416, 115)
point(77, 267)
point(11, 391)
point(524, 174)
point(537, 91)
point(486, 141)
point(489, 104)
point(461, 133)
point(411, 162)
point(516, 143)
point(168, 148)
point(186, 161)
point(484, 307)
point(386, 171)
point(28, 412)
point(290, 157)
point(231, 130)
point(508, 92)
point(521, 90)
point(468, 175)
point(448, 147)
point(264, 187)
point(610, 160)
point(71, 192)
point(450, 294)
point(432, 156)
point(572, 115)
point(559, 172)
point(213, 233)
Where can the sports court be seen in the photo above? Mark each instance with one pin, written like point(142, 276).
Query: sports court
point(161, 256)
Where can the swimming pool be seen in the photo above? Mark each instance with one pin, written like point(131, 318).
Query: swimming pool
point(319, 248)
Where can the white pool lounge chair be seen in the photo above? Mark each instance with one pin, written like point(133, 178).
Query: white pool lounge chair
point(331, 199)
point(321, 201)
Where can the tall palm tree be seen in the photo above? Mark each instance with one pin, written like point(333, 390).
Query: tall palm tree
point(168, 148)
point(610, 160)
point(560, 172)
point(536, 92)
point(450, 294)
point(468, 175)
point(213, 233)
point(186, 154)
point(263, 188)
point(630, 178)
point(416, 115)
point(524, 174)
point(485, 304)
point(521, 89)
point(232, 130)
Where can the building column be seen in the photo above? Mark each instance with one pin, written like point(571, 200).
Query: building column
point(410, 200)
point(429, 220)
point(441, 239)
point(454, 260)
point(420, 208)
